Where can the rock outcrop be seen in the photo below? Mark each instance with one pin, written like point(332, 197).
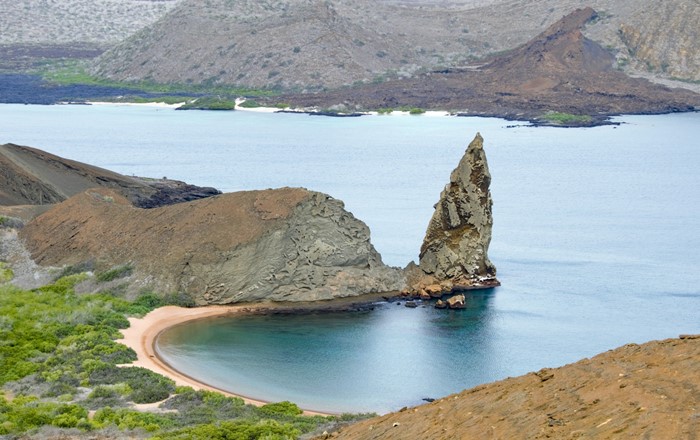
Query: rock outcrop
point(287, 244)
point(29, 176)
point(454, 254)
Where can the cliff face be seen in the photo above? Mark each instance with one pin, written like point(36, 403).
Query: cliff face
point(664, 39)
point(455, 248)
point(278, 245)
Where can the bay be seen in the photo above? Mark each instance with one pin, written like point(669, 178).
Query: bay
point(596, 240)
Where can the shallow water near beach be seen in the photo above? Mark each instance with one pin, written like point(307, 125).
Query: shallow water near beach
point(596, 240)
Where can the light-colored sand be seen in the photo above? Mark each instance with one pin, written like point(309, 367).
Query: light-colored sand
point(142, 333)
point(141, 104)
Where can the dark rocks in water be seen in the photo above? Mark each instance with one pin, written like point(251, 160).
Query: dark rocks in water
point(411, 304)
point(440, 304)
point(454, 254)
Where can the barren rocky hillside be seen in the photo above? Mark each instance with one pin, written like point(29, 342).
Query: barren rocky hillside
point(29, 176)
point(560, 70)
point(76, 21)
point(314, 43)
point(645, 391)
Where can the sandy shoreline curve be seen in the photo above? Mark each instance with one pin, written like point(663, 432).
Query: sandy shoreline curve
point(142, 334)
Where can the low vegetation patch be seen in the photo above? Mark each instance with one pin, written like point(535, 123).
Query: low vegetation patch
point(113, 274)
point(6, 274)
point(209, 103)
point(59, 360)
point(72, 72)
point(249, 103)
point(566, 118)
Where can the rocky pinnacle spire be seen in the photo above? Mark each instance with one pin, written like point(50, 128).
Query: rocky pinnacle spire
point(454, 253)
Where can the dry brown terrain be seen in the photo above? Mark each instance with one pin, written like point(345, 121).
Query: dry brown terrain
point(314, 43)
point(29, 176)
point(559, 70)
point(648, 391)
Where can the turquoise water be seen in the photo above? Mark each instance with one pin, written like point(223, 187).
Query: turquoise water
point(596, 240)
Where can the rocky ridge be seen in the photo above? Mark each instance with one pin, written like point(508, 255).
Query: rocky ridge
point(29, 176)
point(454, 253)
point(288, 244)
point(635, 391)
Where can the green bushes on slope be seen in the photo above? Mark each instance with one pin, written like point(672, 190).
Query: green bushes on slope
point(58, 358)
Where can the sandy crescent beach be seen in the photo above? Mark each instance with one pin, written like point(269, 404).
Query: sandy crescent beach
point(143, 332)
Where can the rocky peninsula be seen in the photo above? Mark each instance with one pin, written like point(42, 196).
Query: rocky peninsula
point(287, 244)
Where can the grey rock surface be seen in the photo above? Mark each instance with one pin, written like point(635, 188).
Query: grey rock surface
point(455, 248)
point(287, 244)
point(320, 252)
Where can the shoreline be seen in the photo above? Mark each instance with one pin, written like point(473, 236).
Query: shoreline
point(142, 335)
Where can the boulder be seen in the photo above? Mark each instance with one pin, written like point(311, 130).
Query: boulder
point(455, 248)
point(456, 302)
point(440, 304)
point(434, 290)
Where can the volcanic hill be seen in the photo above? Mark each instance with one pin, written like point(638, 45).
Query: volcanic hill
point(312, 44)
point(558, 71)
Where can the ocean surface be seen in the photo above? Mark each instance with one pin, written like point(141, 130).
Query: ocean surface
point(596, 240)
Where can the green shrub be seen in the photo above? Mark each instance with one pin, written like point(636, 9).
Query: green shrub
point(249, 103)
point(86, 266)
point(238, 430)
point(132, 419)
point(416, 111)
point(146, 386)
point(113, 274)
point(281, 408)
point(6, 274)
point(566, 118)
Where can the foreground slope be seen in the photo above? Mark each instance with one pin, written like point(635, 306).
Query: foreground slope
point(635, 391)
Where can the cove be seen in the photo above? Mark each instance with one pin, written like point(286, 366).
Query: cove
point(595, 240)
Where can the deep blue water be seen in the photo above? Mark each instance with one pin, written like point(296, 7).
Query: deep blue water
point(596, 240)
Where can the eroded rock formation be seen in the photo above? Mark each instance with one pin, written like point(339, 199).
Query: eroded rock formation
point(287, 244)
point(454, 254)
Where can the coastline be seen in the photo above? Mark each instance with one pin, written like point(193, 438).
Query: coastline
point(143, 332)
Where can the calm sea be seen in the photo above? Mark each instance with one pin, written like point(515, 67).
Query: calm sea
point(596, 240)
